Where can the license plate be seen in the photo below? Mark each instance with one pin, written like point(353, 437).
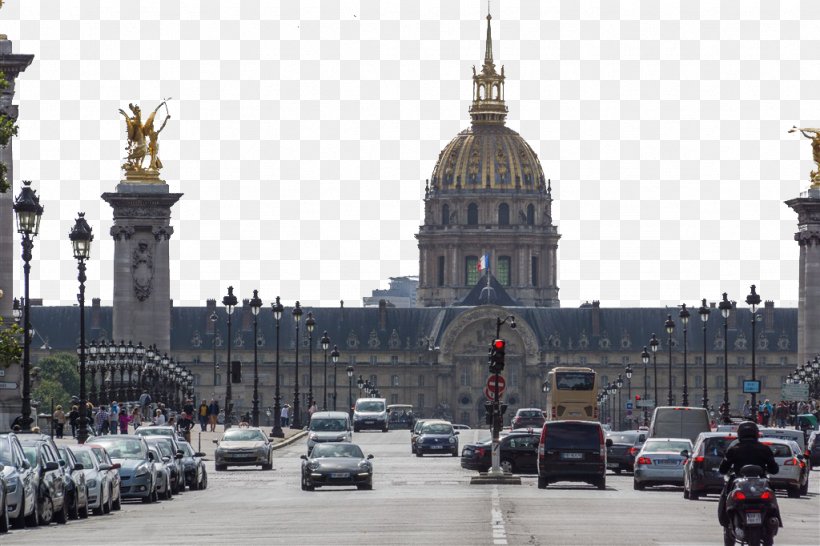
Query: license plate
point(754, 518)
point(340, 475)
point(611, 465)
point(572, 455)
point(436, 447)
point(666, 462)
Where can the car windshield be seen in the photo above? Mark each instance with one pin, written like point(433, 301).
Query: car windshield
point(370, 405)
point(164, 448)
point(780, 450)
point(5, 451)
point(84, 458)
point(336, 450)
point(575, 381)
point(572, 436)
point(243, 435)
point(123, 448)
point(716, 447)
point(186, 449)
point(437, 428)
point(31, 454)
point(660, 446)
point(329, 425)
point(530, 413)
point(155, 431)
point(624, 438)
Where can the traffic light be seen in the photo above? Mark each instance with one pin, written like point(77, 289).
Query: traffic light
point(497, 356)
point(637, 398)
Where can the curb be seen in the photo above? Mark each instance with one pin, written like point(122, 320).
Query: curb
point(288, 441)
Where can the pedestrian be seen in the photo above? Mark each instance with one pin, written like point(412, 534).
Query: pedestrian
point(203, 415)
point(164, 410)
point(186, 423)
point(781, 414)
point(124, 419)
point(747, 410)
point(58, 420)
point(145, 404)
point(101, 423)
point(313, 409)
point(285, 415)
point(114, 417)
point(136, 417)
point(213, 413)
point(159, 418)
point(188, 407)
point(73, 420)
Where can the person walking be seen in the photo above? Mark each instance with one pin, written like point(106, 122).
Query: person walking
point(124, 419)
point(58, 419)
point(73, 420)
point(101, 421)
point(202, 413)
point(213, 413)
point(136, 417)
point(159, 418)
point(145, 403)
point(285, 415)
point(114, 417)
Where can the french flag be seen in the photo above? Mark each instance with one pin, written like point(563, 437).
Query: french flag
point(484, 262)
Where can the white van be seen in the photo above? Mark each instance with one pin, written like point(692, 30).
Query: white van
point(370, 413)
point(329, 426)
point(679, 422)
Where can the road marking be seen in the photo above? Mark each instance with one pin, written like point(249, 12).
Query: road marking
point(497, 519)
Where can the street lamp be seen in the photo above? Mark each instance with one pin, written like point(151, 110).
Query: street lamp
point(670, 329)
point(29, 211)
point(684, 318)
point(350, 390)
point(725, 307)
point(310, 324)
point(628, 373)
point(753, 300)
point(229, 302)
point(654, 343)
point(297, 419)
point(214, 318)
point(325, 347)
point(277, 432)
point(334, 356)
point(645, 360)
point(704, 313)
point(255, 305)
point(619, 383)
point(81, 238)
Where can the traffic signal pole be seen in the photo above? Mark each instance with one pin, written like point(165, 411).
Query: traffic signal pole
point(496, 446)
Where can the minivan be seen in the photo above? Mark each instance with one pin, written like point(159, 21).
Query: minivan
point(370, 413)
point(572, 451)
point(679, 422)
point(329, 426)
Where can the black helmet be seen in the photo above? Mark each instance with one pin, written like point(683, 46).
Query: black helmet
point(747, 429)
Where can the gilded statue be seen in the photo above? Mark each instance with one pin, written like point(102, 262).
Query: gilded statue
point(815, 146)
point(143, 140)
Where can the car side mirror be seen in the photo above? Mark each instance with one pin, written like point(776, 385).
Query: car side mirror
point(52, 465)
point(78, 466)
point(116, 466)
point(199, 454)
point(62, 462)
point(370, 456)
point(455, 432)
point(150, 456)
point(105, 466)
point(26, 465)
point(684, 453)
point(179, 456)
point(215, 441)
point(303, 457)
point(608, 442)
point(800, 456)
point(166, 458)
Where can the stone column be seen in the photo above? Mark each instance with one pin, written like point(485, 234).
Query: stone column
point(142, 285)
point(807, 207)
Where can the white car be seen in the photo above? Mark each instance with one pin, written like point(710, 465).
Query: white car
point(100, 490)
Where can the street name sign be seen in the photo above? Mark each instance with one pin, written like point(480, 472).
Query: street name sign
point(794, 392)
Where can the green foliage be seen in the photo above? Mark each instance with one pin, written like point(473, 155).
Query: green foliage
point(8, 129)
point(58, 379)
point(11, 349)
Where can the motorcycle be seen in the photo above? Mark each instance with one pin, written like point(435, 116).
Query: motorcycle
point(752, 513)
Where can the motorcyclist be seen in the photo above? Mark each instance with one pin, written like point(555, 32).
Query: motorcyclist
point(747, 450)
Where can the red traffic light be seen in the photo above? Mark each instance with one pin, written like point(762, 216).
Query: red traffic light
point(637, 397)
point(499, 344)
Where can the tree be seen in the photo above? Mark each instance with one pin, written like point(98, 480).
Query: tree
point(8, 129)
point(10, 348)
point(58, 379)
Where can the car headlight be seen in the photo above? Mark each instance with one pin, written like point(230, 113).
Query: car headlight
point(313, 465)
point(452, 440)
point(141, 471)
point(420, 440)
point(91, 483)
point(313, 436)
point(262, 451)
point(11, 485)
point(341, 438)
point(364, 466)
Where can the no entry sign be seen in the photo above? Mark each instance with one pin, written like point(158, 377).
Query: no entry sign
point(493, 386)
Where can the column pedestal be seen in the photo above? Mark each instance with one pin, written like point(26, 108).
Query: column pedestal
point(807, 207)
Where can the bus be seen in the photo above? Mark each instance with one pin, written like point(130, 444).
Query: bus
point(572, 393)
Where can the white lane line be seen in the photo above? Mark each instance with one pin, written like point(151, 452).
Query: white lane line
point(497, 519)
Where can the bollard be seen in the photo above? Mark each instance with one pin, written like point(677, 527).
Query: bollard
point(199, 442)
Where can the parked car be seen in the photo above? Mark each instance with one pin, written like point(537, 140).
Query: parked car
point(459, 426)
point(113, 472)
point(700, 469)
point(793, 474)
point(336, 464)
point(169, 447)
point(76, 489)
point(370, 413)
point(49, 482)
point(196, 476)
point(100, 492)
point(572, 451)
point(660, 462)
point(137, 472)
point(159, 430)
point(528, 418)
point(21, 499)
point(437, 437)
point(329, 426)
point(518, 452)
point(625, 446)
point(243, 447)
point(163, 469)
point(813, 449)
point(785, 434)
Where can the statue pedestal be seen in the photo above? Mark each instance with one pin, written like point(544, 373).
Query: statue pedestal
point(142, 291)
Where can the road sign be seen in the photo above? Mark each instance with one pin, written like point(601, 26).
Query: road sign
point(493, 387)
point(488, 394)
point(794, 392)
point(629, 405)
point(7, 385)
point(646, 403)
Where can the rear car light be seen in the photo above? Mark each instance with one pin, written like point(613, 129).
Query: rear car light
point(767, 495)
point(480, 452)
point(739, 495)
point(791, 462)
point(643, 460)
point(633, 451)
point(700, 459)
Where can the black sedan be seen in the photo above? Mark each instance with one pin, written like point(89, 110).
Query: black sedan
point(625, 446)
point(336, 464)
point(437, 437)
point(195, 475)
point(700, 471)
point(518, 453)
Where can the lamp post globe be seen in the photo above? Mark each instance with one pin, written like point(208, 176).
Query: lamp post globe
point(277, 308)
point(645, 361)
point(350, 389)
point(296, 422)
point(725, 307)
point(229, 301)
point(81, 237)
point(255, 304)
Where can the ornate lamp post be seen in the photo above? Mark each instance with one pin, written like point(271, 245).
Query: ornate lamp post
point(277, 432)
point(214, 318)
point(256, 305)
point(654, 343)
point(334, 356)
point(704, 313)
point(229, 302)
point(310, 324)
point(725, 307)
point(90, 365)
point(684, 318)
point(645, 360)
point(670, 329)
point(628, 373)
point(29, 211)
point(619, 383)
point(325, 346)
point(296, 423)
point(753, 300)
point(350, 390)
point(81, 238)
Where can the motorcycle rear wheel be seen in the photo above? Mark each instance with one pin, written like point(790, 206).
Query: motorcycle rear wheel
point(728, 537)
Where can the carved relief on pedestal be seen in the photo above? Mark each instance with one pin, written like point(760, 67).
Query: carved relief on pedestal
point(142, 269)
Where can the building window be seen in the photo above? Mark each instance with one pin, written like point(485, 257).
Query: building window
point(420, 405)
point(698, 382)
point(465, 376)
point(530, 215)
point(604, 360)
point(503, 273)
point(351, 360)
point(719, 381)
point(471, 273)
point(741, 361)
point(445, 215)
point(421, 381)
point(534, 268)
point(196, 360)
point(440, 272)
point(218, 379)
point(719, 361)
point(373, 379)
point(394, 360)
point(394, 398)
point(582, 361)
point(503, 214)
point(196, 380)
point(373, 360)
point(604, 380)
point(472, 214)
point(762, 379)
point(698, 361)
point(394, 380)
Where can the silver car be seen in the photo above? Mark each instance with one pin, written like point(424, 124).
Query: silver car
point(660, 462)
point(18, 473)
point(100, 491)
point(243, 447)
point(163, 469)
point(793, 473)
point(329, 426)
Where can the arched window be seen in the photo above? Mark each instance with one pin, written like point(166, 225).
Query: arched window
point(530, 215)
point(503, 214)
point(472, 214)
point(503, 273)
point(480, 92)
point(445, 215)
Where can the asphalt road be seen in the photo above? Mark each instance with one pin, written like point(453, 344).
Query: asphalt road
point(415, 501)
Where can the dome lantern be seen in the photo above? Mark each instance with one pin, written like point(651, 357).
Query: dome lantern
point(488, 89)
